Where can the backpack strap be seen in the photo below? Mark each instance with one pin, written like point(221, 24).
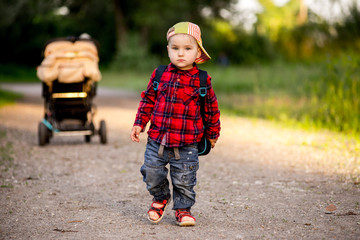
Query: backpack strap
point(203, 78)
point(159, 72)
point(202, 91)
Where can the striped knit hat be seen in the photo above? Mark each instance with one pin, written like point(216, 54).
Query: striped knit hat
point(194, 31)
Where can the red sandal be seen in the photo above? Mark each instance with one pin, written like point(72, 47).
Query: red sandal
point(180, 214)
point(159, 210)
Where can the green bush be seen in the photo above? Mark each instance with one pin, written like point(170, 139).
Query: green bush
point(17, 73)
point(277, 91)
point(336, 97)
point(131, 55)
point(7, 97)
point(321, 95)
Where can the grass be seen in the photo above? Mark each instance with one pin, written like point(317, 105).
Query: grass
point(14, 73)
point(7, 97)
point(282, 92)
point(126, 79)
point(276, 79)
point(270, 80)
point(10, 73)
point(292, 94)
point(275, 92)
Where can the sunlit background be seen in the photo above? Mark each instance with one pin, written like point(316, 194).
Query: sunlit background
point(259, 30)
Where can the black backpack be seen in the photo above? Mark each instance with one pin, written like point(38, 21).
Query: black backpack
point(204, 146)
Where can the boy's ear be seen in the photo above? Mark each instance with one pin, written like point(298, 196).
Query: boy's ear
point(198, 53)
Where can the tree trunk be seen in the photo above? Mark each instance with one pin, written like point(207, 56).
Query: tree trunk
point(303, 13)
point(121, 30)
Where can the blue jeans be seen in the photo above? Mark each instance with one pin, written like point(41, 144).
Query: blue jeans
point(182, 173)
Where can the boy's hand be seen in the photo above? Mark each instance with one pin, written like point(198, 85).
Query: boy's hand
point(213, 141)
point(135, 132)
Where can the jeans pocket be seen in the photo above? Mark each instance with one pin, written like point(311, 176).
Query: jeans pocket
point(185, 173)
point(151, 154)
point(189, 175)
point(191, 149)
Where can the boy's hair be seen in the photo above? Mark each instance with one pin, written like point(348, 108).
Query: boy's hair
point(192, 30)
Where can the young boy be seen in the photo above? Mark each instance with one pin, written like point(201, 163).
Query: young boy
point(176, 125)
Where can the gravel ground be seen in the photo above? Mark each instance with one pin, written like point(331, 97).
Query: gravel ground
point(260, 181)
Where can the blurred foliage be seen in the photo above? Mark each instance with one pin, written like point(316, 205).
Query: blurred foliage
point(312, 40)
point(133, 55)
point(323, 95)
point(313, 96)
point(14, 73)
point(237, 45)
point(7, 97)
point(143, 26)
point(132, 33)
point(347, 33)
point(274, 18)
point(26, 25)
point(335, 98)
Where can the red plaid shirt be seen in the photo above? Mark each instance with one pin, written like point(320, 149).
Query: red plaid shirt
point(174, 109)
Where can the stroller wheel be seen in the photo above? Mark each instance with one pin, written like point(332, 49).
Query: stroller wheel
point(44, 136)
point(102, 132)
point(87, 138)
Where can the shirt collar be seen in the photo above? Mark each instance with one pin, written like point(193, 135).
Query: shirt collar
point(190, 72)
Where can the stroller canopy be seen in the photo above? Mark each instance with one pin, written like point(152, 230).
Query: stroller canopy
point(70, 60)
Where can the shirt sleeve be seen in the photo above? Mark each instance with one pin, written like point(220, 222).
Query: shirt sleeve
point(212, 113)
point(146, 104)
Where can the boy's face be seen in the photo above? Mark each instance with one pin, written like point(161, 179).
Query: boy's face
point(183, 50)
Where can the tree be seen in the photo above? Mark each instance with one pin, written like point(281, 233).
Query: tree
point(274, 18)
point(142, 25)
point(26, 25)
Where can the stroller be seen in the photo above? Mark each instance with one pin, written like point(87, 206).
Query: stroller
point(69, 73)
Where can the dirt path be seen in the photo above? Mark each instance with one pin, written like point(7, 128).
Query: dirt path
point(260, 182)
